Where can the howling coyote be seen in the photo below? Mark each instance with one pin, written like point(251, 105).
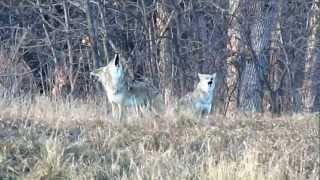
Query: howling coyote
point(120, 92)
point(199, 102)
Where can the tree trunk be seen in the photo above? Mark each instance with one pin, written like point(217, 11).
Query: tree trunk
point(202, 44)
point(72, 79)
point(256, 33)
point(105, 33)
point(311, 87)
point(93, 34)
point(165, 47)
point(277, 72)
point(250, 90)
point(233, 46)
point(180, 61)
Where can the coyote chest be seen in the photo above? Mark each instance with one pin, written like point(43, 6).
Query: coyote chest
point(115, 97)
point(126, 98)
point(203, 102)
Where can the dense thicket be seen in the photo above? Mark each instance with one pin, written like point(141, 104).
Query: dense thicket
point(266, 52)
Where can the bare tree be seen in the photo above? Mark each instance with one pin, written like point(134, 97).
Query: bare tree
point(233, 46)
point(92, 32)
point(311, 84)
point(164, 18)
point(104, 26)
point(259, 67)
point(256, 36)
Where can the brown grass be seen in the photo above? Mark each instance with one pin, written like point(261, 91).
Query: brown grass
point(44, 139)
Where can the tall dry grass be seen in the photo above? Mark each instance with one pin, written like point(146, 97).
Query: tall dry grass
point(55, 139)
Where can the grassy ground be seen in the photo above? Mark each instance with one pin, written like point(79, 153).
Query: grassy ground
point(44, 139)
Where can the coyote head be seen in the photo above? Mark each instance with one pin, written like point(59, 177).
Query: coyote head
point(207, 82)
point(115, 68)
point(113, 72)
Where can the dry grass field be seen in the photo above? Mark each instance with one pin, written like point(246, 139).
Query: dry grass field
point(46, 139)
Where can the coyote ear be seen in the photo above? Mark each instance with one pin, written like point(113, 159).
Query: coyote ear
point(116, 60)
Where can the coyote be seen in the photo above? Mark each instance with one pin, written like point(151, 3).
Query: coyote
point(199, 102)
point(120, 92)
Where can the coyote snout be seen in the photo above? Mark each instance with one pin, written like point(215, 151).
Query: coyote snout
point(120, 92)
point(210, 83)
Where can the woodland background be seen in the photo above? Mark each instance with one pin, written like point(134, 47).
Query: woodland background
point(266, 52)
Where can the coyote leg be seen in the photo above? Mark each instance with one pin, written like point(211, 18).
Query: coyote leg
point(140, 111)
point(120, 117)
point(113, 108)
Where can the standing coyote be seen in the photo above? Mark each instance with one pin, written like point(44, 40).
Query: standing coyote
point(199, 102)
point(120, 93)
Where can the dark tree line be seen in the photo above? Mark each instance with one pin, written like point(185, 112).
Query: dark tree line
point(266, 52)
